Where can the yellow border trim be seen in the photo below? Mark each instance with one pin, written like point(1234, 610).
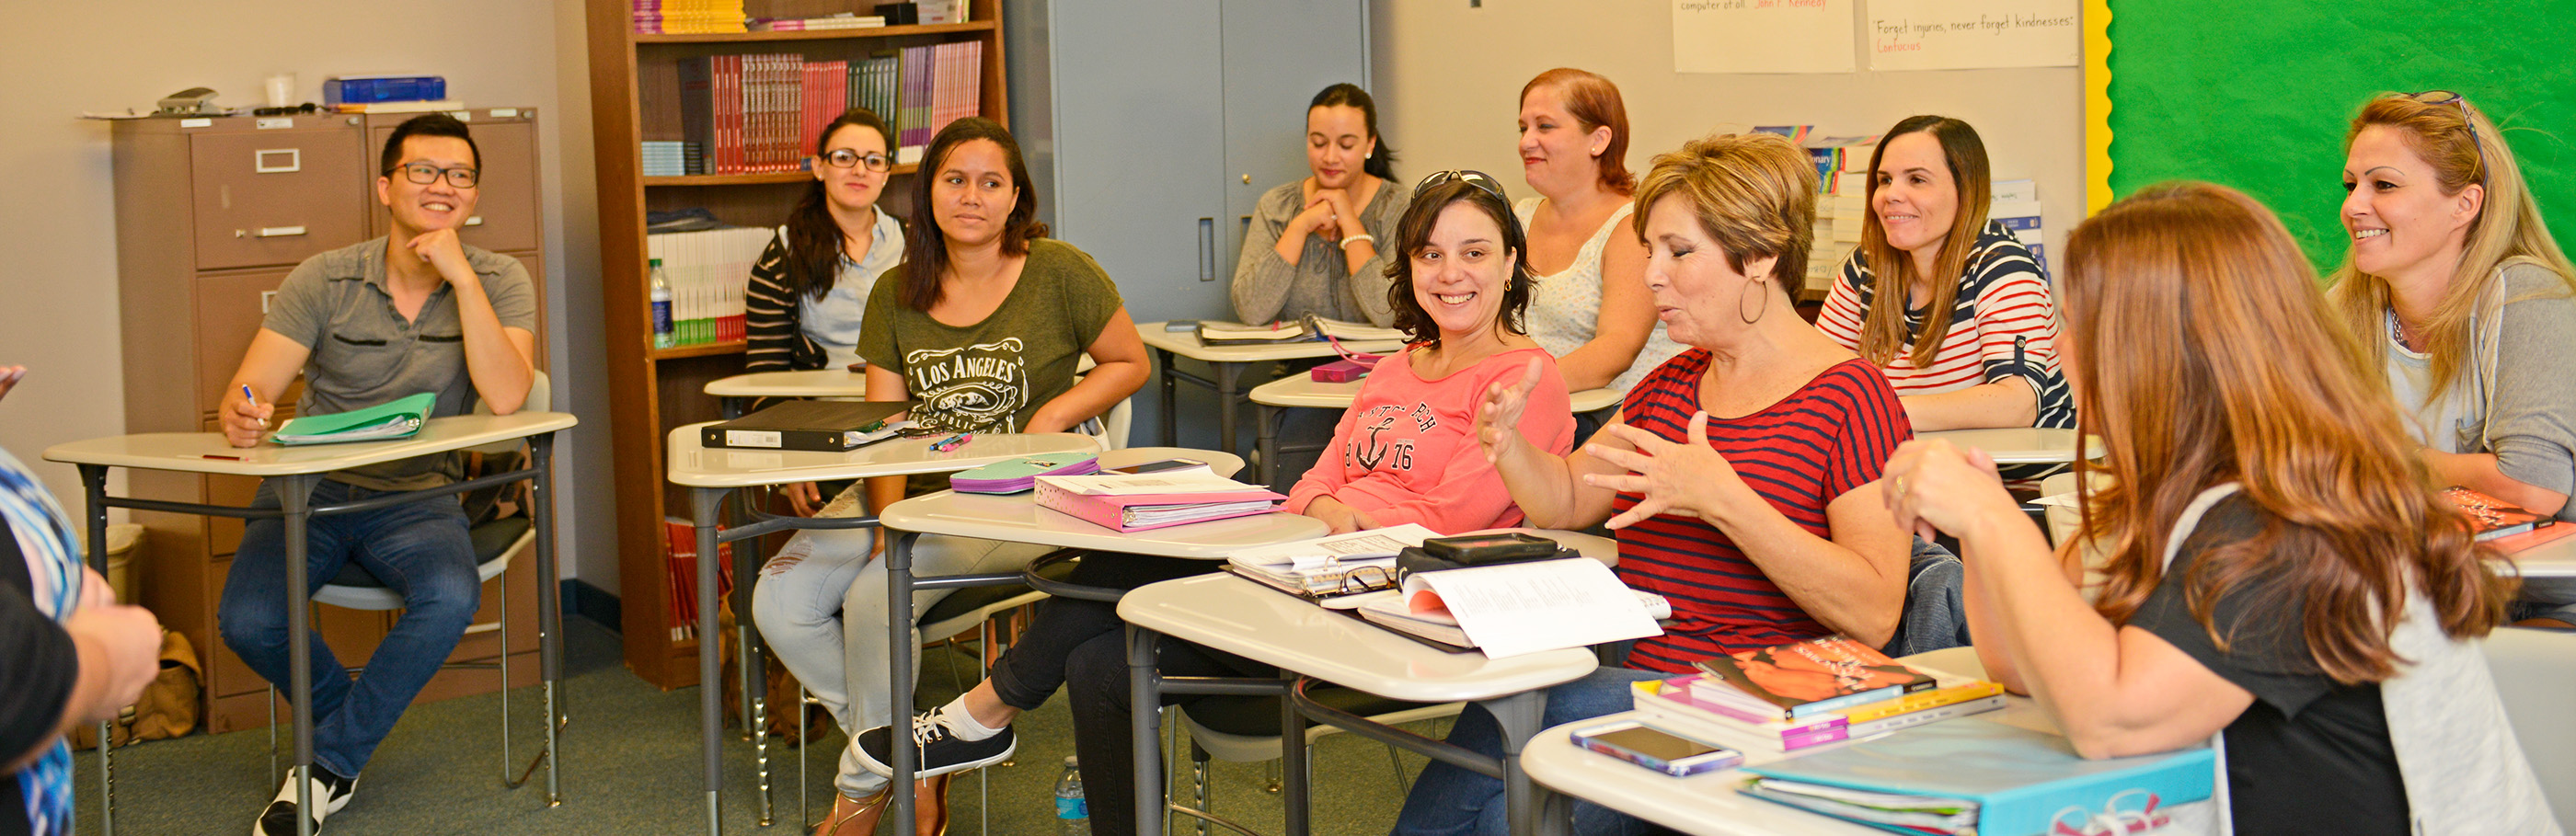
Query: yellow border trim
point(2097, 105)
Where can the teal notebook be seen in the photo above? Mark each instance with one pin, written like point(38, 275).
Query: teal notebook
point(400, 418)
point(1974, 775)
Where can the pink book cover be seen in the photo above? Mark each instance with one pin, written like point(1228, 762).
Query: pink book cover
point(1109, 511)
point(1679, 691)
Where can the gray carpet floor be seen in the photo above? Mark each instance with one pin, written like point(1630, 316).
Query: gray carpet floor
point(631, 768)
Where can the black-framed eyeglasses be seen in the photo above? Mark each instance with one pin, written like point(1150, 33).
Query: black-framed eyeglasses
point(1370, 579)
point(2446, 97)
point(425, 174)
point(1472, 177)
point(845, 158)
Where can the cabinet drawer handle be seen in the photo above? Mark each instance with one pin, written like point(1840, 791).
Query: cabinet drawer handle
point(474, 221)
point(293, 160)
point(273, 232)
point(264, 296)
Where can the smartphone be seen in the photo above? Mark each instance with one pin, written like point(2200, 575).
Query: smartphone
point(1159, 466)
point(1179, 325)
point(1481, 549)
point(1657, 749)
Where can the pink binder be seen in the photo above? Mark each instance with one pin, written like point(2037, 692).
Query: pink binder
point(1115, 511)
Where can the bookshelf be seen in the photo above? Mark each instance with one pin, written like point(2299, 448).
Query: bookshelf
point(653, 390)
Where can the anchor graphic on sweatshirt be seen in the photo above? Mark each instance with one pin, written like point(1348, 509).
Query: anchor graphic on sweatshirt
point(1370, 451)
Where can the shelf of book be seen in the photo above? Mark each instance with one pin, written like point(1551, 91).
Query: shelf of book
point(819, 34)
point(637, 97)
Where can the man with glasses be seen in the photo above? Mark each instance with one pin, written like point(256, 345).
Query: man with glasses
point(415, 311)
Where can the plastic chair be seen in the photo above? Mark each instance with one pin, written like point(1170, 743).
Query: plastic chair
point(1245, 729)
point(496, 544)
point(1110, 427)
point(2534, 671)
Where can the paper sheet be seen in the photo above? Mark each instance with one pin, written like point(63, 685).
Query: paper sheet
point(1762, 36)
point(1381, 542)
point(1520, 608)
point(1972, 34)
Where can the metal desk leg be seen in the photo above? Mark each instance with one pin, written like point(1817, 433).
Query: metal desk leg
point(541, 456)
point(1163, 372)
point(1145, 715)
point(754, 668)
point(1266, 419)
point(900, 648)
point(702, 508)
point(94, 486)
point(1229, 392)
point(295, 495)
point(1294, 781)
point(1519, 716)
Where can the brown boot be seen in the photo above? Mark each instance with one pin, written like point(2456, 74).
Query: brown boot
point(930, 806)
point(854, 816)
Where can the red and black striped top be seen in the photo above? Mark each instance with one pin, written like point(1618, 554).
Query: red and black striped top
point(1821, 441)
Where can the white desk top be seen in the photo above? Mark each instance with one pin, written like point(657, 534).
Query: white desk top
point(695, 466)
point(1186, 344)
point(190, 452)
point(817, 383)
point(1302, 391)
point(1245, 618)
point(2022, 445)
point(1016, 518)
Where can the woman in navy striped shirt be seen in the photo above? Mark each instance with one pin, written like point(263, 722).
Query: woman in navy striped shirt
point(1975, 342)
point(1735, 469)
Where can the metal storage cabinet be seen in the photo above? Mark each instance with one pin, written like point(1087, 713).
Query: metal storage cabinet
point(211, 214)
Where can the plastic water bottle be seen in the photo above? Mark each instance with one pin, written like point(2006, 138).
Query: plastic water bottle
point(1072, 815)
point(662, 337)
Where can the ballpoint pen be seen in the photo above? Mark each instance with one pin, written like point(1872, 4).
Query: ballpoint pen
point(254, 401)
point(951, 443)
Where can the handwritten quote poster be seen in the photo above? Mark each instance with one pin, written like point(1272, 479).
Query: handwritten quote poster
point(1971, 34)
point(1763, 36)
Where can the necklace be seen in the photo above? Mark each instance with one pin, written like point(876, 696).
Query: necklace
point(2398, 331)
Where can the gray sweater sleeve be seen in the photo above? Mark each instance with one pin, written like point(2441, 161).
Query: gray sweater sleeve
point(1263, 280)
point(1383, 218)
point(2532, 420)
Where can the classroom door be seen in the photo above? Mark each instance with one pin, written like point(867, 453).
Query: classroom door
point(1278, 55)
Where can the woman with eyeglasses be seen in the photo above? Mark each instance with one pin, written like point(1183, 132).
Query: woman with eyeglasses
point(982, 324)
point(1590, 308)
point(2279, 576)
point(2462, 299)
point(1313, 246)
point(1734, 474)
point(1944, 300)
point(1407, 456)
point(809, 290)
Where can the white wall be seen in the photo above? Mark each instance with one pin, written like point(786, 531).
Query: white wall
point(57, 211)
point(1448, 80)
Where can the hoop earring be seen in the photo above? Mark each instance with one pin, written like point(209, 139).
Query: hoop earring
point(1760, 307)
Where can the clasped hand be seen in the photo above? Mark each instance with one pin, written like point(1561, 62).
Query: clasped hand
point(1933, 486)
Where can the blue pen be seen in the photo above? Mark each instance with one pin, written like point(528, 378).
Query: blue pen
point(254, 401)
point(951, 443)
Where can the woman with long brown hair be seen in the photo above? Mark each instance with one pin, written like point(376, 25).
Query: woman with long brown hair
point(2462, 295)
point(2278, 574)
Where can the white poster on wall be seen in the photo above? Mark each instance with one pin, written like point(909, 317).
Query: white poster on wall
point(1972, 34)
point(1763, 36)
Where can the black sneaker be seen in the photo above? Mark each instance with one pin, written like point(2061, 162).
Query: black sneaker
point(329, 789)
point(939, 751)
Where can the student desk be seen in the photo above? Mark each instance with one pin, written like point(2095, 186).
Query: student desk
point(1016, 518)
point(737, 391)
point(1301, 391)
point(712, 473)
point(1228, 362)
point(297, 470)
point(1256, 622)
point(2022, 445)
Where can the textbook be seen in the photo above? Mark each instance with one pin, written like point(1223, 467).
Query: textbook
point(1020, 474)
point(398, 418)
point(1235, 333)
point(2492, 517)
point(1120, 501)
point(1976, 776)
point(826, 426)
point(1802, 679)
point(1517, 608)
point(1675, 704)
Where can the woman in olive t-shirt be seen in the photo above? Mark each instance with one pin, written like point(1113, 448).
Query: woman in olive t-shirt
point(983, 323)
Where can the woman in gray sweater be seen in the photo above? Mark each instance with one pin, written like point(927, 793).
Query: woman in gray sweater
point(1313, 244)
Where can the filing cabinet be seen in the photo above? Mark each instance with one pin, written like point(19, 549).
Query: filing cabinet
point(211, 215)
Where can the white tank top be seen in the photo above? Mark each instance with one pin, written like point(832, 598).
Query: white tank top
point(1565, 308)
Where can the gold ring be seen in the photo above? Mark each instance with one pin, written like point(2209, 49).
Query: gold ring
point(1900, 485)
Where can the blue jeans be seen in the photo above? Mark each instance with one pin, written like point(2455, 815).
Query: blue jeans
point(1449, 801)
point(419, 549)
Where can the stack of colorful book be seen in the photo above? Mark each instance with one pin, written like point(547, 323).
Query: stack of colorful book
point(1811, 693)
point(761, 113)
point(708, 270)
point(676, 17)
point(680, 559)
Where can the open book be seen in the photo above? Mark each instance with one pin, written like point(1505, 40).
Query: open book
point(1519, 608)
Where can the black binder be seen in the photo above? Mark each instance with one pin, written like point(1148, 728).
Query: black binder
point(826, 426)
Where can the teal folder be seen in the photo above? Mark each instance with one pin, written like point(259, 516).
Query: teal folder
point(2018, 779)
point(400, 418)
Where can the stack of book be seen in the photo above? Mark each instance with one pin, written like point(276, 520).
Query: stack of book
point(708, 270)
point(680, 558)
point(762, 112)
point(675, 17)
point(1807, 694)
point(1995, 777)
point(1318, 568)
point(671, 159)
point(799, 24)
point(1142, 501)
point(1236, 333)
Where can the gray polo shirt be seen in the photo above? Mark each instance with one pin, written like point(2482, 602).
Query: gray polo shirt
point(365, 353)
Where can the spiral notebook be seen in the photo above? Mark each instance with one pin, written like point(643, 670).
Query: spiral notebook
point(400, 418)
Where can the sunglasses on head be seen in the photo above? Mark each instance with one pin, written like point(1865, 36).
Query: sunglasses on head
point(2446, 97)
point(1471, 177)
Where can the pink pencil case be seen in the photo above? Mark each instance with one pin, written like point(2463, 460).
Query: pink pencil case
point(1344, 370)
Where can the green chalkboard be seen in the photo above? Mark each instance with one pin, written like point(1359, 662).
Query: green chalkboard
point(2257, 94)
